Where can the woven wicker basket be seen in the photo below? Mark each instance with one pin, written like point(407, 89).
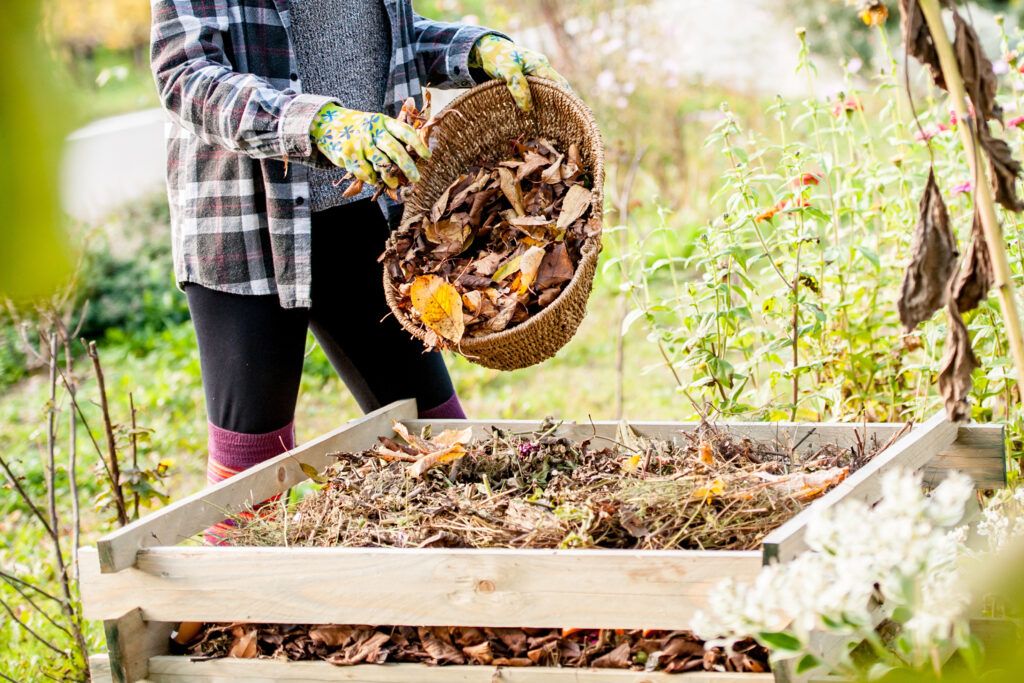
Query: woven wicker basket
point(489, 120)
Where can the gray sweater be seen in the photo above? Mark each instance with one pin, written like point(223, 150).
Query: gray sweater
point(343, 50)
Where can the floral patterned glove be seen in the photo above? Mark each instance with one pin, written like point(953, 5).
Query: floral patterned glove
point(370, 146)
point(501, 58)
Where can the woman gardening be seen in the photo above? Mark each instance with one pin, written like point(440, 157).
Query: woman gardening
point(276, 107)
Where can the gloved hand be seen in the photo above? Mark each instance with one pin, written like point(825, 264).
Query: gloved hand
point(501, 58)
point(368, 145)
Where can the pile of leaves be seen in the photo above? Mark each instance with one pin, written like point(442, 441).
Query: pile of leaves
point(498, 245)
point(668, 651)
point(704, 489)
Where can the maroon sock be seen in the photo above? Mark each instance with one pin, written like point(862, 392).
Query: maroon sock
point(449, 410)
point(233, 452)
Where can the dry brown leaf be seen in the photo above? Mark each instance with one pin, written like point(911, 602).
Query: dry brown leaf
point(479, 654)
point(439, 306)
point(1003, 167)
point(244, 645)
point(439, 207)
point(976, 70)
point(331, 635)
point(532, 162)
point(616, 659)
point(511, 189)
point(933, 260)
point(438, 457)
point(918, 39)
point(958, 362)
point(577, 201)
point(556, 268)
point(488, 264)
point(553, 173)
point(975, 277)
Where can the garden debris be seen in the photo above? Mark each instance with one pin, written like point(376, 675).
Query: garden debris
point(933, 262)
point(638, 650)
point(497, 246)
point(703, 489)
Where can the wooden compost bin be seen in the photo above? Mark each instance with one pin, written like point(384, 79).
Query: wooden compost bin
point(140, 582)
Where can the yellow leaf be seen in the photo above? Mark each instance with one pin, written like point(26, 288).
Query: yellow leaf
point(448, 454)
point(439, 306)
point(631, 463)
point(708, 493)
point(508, 268)
point(311, 472)
point(706, 452)
point(529, 265)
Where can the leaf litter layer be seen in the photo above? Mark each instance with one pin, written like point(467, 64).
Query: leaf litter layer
point(668, 651)
point(703, 489)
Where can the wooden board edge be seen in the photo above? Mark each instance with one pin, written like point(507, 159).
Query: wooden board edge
point(913, 450)
point(417, 587)
point(192, 514)
point(99, 669)
point(168, 669)
point(131, 642)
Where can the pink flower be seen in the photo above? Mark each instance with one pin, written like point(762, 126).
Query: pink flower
point(846, 107)
point(929, 133)
point(963, 187)
point(1015, 122)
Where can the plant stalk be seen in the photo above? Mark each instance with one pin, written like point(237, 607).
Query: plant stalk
point(115, 465)
point(983, 197)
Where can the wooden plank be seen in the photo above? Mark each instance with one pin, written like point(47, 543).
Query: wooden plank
point(180, 669)
point(415, 587)
point(182, 519)
point(912, 452)
point(99, 669)
point(131, 642)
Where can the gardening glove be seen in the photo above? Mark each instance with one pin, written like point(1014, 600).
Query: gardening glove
point(368, 145)
point(501, 58)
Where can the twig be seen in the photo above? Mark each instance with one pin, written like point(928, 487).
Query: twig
point(135, 455)
point(46, 615)
point(11, 578)
point(1002, 276)
point(27, 499)
point(41, 639)
point(115, 467)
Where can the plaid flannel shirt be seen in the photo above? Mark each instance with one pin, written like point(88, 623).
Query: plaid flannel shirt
point(238, 137)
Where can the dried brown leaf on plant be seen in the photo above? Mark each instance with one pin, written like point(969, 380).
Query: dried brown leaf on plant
point(918, 39)
point(1004, 168)
point(975, 277)
point(933, 260)
point(958, 362)
point(976, 71)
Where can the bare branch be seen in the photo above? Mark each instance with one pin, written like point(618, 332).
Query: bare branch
point(41, 639)
point(115, 467)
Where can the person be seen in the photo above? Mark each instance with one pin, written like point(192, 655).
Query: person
point(275, 107)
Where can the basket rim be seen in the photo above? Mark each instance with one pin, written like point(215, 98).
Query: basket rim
point(590, 249)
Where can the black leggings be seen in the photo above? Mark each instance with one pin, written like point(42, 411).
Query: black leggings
point(251, 349)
